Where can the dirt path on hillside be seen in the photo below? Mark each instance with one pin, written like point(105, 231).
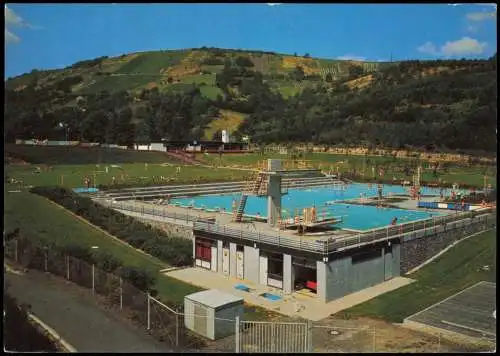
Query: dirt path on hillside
point(77, 316)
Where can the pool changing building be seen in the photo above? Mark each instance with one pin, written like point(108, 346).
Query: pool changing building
point(297, 265)
point(329, 276)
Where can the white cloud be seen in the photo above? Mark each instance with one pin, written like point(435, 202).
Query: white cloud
point(11, 18)
point(462, 47)
point(274, 3)
point(14, 20)
point(428, 47)
point(487, 4)
point(481, 16)
point(350, 57)
point(10, 37)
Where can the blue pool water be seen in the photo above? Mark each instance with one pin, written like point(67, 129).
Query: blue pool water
point(271, 297)
point(326, 200)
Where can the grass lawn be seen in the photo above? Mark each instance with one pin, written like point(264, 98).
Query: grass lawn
point(71, 176)
point(53, 155)
point(40, 220)
point(455, 270)
point(211, 92)
point(44, 221)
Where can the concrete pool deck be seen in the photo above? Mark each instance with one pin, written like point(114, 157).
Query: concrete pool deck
point(226, 219)
point(294, 305)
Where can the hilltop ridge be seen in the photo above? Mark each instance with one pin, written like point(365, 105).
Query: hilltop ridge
point(272, 97)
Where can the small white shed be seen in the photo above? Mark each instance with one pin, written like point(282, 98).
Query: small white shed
point(212, 313)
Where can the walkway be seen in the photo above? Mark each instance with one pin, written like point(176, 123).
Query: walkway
point(76, 316)
point(294, 305)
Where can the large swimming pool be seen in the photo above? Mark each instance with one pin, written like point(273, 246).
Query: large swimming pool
point(326, 200)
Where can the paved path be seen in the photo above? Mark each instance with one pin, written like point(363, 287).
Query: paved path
point(76, 316)
point(294, 305)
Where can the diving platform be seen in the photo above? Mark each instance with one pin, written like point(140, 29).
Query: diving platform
point(301, 222)
point(267, 182)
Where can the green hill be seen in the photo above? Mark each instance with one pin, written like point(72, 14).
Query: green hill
point(184, 94)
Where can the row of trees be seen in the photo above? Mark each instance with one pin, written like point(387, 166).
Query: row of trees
point(456, 111)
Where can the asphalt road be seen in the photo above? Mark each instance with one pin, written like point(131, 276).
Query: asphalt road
point(77, 316)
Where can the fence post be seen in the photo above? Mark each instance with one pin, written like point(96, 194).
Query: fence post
point(15, 249)
point(93, 278)
point(237, 334)
point(176, 330)
point(121, 293)
point(67, 267)
point(149, 312)
point(46, 262)
point(309, 337)
point(374, 339)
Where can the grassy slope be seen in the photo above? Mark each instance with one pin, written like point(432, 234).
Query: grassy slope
point(148, 69)
point(228, 120)
point(47, 222)
point(44, 221)
point(452, 272)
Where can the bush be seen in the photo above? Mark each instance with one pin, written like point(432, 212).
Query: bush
point(142, 279)
point(107, 262)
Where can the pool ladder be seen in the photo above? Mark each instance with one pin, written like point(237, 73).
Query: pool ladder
point(255, 186)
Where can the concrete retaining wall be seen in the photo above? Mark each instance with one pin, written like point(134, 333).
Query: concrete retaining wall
point(422, 247)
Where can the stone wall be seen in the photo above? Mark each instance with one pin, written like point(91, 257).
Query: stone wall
point(416, 251)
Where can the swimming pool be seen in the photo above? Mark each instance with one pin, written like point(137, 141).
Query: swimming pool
point(356, 217)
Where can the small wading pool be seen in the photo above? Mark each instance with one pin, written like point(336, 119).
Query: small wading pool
point(354, 217)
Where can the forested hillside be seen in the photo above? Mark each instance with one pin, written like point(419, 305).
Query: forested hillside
point(193, 94)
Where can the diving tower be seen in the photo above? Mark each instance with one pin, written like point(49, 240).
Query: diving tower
point(267, 182)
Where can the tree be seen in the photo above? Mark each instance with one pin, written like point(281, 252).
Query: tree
point(355, 71)
point(298, 74)
point(307, 55)
point(217, 136)
point(241, 61)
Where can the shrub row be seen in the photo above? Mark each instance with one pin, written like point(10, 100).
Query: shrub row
point(173, 250)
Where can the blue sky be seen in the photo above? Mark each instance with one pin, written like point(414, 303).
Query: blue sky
point(46, 36)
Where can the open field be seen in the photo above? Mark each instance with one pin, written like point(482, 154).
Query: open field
point(72, 176)
point(53, 155)
point(455, 270)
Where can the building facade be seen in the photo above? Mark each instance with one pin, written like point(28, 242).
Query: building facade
point(330, 277)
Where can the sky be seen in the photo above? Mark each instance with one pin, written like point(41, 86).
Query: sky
point(48, 36)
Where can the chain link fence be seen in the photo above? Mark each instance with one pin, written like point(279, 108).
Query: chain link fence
point(168, 324)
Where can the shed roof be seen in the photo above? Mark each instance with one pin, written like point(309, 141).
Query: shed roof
point(214, 298)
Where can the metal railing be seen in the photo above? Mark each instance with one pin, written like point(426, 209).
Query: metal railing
point(324, 246)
